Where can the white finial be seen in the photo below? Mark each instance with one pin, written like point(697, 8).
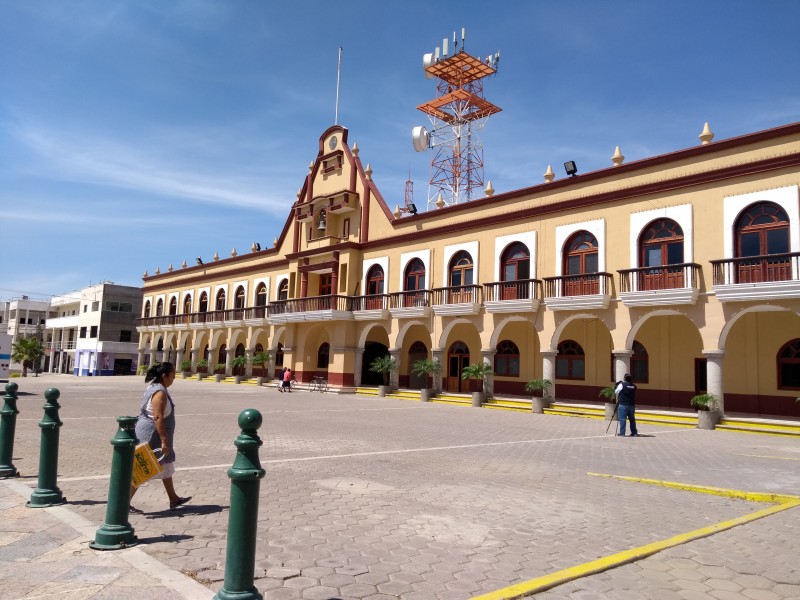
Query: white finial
point(618, 157)
point(706, 135)
point(233, 252)
point(489, 191)
point(299, 192)
point(169, 268)
point(145, 274)
point(310, 166)
point(275, 242)
point(253, 248)
point(216, 256)
point(368, 172)
point(158, 271)
point(397, 212)
point(183, 265)
point(439, 201)
point(549, 175)
point(354, 150)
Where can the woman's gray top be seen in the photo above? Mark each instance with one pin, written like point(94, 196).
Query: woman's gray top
point(146, 427)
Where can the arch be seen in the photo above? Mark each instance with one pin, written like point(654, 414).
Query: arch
point(147, 309)
point(581, 263)
point(563, 325)
point(220, 301)
point(239, 299)
point(173, 306)
point(375, 280)
point(498, 329)
point(506, 359)
point(762, 229)
point(640, 364)
point(515, 262)
point(323, 356)
point(261, 294)
point(362, 338)
point(460, 269)
point(446, 331)
point(187, 304)
point(656, 313)
point(723, 336)
point(570, 361)
point(661, 244)
point(160, 307)
point(414, 276)
point(788, 363)
point(404, 329)
point(283, 290)
point(203, 304)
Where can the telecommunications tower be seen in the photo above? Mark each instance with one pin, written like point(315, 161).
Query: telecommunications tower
point(457, 113)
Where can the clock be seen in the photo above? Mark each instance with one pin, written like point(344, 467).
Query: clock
point(332, 143)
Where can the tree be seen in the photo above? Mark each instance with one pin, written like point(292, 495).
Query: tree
point(28, 351)
point(478, 371)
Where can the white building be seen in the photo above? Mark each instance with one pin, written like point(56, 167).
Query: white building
point(23, 317)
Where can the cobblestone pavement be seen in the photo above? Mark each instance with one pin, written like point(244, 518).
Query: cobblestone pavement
point(381, 498)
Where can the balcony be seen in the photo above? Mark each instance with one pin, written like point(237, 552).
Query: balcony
point(522, 295)
point(660, 286)
point(766, 277)
point(578, 292)
point(456, 300)
point(370, 308)
point(412, 304)
point(313, 308)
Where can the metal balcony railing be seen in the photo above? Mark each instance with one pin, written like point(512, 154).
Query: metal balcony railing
point(521, 289)
point(666, 277)
point(757, 269)
point(588, 284)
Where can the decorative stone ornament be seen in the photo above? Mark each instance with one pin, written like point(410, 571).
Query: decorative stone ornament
point(158, 271)
point(396, 212)
point(439, 201)
point(549, 176)
point(233, 252)
point(253, 248)
point(183, 265)
point(706, 135)
point(275, 242)
point(368, 172)
point(145, 274)
point(489, 191)
point(355, 150)
point(216, 256)
point(618, 157)
point(169, 268)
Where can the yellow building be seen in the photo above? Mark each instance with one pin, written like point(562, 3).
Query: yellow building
point(681, 269)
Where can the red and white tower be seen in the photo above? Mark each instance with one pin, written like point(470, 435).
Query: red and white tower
point(457, 113)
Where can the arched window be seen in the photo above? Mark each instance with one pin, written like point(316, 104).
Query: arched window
point(222, 355)
point(220, 305)
point(415, 280)
point(187, 304)
point(159, 308)
point(239, 298)
point(279, 355)
point(147, 309)
point(570, 361)
point(283, 290)
point(259, 348)
point(661, 244)
point(240, 351)
point(763, 230)
point(639, 363)
point(581, 259)
point(203, 305)
point(506, 359)
point(323, 355)
point(374, 288)
point(461, 269)
point(261, 294)
point(789, 366)
point(515, 265)
point(173, 306)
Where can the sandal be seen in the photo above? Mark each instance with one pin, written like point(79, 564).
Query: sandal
point(179, 502)
point(135, 511)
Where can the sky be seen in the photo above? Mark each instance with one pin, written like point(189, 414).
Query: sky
point(138, 134)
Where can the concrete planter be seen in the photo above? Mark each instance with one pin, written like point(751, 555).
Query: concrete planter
point(611, 411)
point(217, 377)
point(384, 390)
point(538, 404)
point(259, 381)
point(478, 399)
point(200, 376)
point(185, 374)
point(708, 419)
point(425, 395)
point(237, 379)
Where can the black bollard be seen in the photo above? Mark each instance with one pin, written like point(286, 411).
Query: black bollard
point(8, 426)
point(245, 475)
point(116, 532)
point(47, 492)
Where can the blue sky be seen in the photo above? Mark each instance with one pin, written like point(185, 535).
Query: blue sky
point(135, 134)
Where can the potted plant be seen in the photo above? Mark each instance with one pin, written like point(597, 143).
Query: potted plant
point(219, 371)
point(477, 371)
point(609, 395)
point(238, 363)
point(425, 367)
point(708, 413)
point(186, 368)
point(142, 369)
point(202, 369)
point(259, 360)
point(539, 403)
point(383, 365)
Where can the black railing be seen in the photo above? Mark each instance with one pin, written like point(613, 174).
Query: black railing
point(666, 277)
point(757, 269)
point(521, 289)
point(589, 284)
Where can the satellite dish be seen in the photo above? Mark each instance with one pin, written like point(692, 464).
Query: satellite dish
point(420, 138)
point(427, 60)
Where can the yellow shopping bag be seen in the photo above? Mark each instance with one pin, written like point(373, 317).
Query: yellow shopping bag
point(145, 464)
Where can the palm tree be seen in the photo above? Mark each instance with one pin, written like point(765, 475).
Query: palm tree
point(28, 351)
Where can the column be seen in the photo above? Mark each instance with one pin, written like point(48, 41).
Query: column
point(248, 370)
point(193, 356)
point(304, 284)
point(549, 371)
point(394, 376)
point(357, 366)
point(714, 360)
point(179, 360)
point(438, 356)
point(622, 363)
point(228, 358)
point(139, 358)
point(488, 385)
point(271, 366)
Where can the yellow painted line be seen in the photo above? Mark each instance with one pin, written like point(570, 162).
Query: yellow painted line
point(705, 489)
point(767, 456)
point(546, 582)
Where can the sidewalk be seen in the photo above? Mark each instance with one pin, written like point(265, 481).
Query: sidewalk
point(45, 553)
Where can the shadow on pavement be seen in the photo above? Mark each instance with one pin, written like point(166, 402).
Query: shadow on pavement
point(186, 510)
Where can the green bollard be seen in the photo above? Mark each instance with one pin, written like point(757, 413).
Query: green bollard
point(8, 425)
point(47, 492)
point(116, 532)
point(245, 475)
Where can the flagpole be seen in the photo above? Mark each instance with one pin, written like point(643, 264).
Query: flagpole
point(338, 75)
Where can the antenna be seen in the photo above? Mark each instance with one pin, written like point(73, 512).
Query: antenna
point(457, 113)
point(338, 74)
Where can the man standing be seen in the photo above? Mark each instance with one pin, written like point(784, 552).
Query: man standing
point(626, 405)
